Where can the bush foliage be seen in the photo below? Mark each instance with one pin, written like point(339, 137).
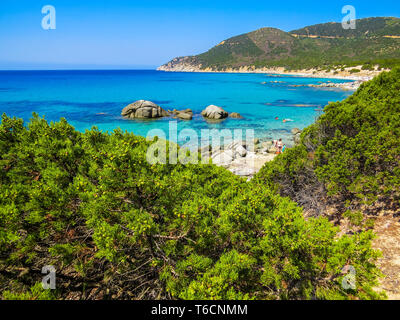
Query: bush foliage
point(116, 227)
point(351, 153)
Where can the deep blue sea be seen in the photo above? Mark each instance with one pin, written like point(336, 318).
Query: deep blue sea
point(96, 98)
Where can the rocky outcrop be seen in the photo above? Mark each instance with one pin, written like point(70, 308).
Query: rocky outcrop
point(183, 64)
point(296, 135)
point(143, 109)
point(223, 157)
point(351, 86)
point(214, 113)
point(238, 157)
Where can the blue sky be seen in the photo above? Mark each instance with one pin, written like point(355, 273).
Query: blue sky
point(145, 34)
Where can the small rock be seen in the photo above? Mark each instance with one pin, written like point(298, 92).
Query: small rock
point(296, 131)
point(235, 115)
point(187, 111)
point(184, 116)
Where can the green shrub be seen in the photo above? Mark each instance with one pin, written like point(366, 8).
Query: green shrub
point(36, 292)
point(116, 227)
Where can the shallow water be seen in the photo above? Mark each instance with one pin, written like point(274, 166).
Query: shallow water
point(96, 98)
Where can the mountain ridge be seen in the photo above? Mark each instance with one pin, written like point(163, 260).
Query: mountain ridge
point(375, 41)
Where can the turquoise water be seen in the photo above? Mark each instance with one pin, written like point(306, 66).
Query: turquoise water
point(96, 98)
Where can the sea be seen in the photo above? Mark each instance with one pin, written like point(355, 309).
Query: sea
point(271, 105)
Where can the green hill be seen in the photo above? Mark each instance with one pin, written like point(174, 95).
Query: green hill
point(375, 41)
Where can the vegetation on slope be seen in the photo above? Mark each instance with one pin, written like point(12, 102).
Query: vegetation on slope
point(115, 226)
point(350, 157)
point(367, 28)
point(334, 47)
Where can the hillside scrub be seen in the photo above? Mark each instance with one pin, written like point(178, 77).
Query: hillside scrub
point(116, 227)
point(350, 156)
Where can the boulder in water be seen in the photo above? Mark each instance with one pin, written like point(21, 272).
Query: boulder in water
point(143, 109)
point(214, 112)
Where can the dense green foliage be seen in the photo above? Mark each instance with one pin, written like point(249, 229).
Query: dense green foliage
point(351, 153)
point(115, 226)
point(334, 47)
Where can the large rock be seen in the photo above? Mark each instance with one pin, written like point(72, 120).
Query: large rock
point(267, 144)
point(214, 112)
point(223, 157)
point(238, 148)
point(143, 109)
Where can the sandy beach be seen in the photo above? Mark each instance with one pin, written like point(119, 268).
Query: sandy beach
point(362, 75)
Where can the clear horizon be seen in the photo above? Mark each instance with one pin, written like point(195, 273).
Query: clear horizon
point(131, 35)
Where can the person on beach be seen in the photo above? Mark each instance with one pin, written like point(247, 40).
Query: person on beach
point(279, 146)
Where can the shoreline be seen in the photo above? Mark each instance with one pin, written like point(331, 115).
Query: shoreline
point(362, 75)
point(236, 157)
point(250, 162)
point(244, 158)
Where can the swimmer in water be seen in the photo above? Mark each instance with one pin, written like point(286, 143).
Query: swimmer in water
point(288, 120)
